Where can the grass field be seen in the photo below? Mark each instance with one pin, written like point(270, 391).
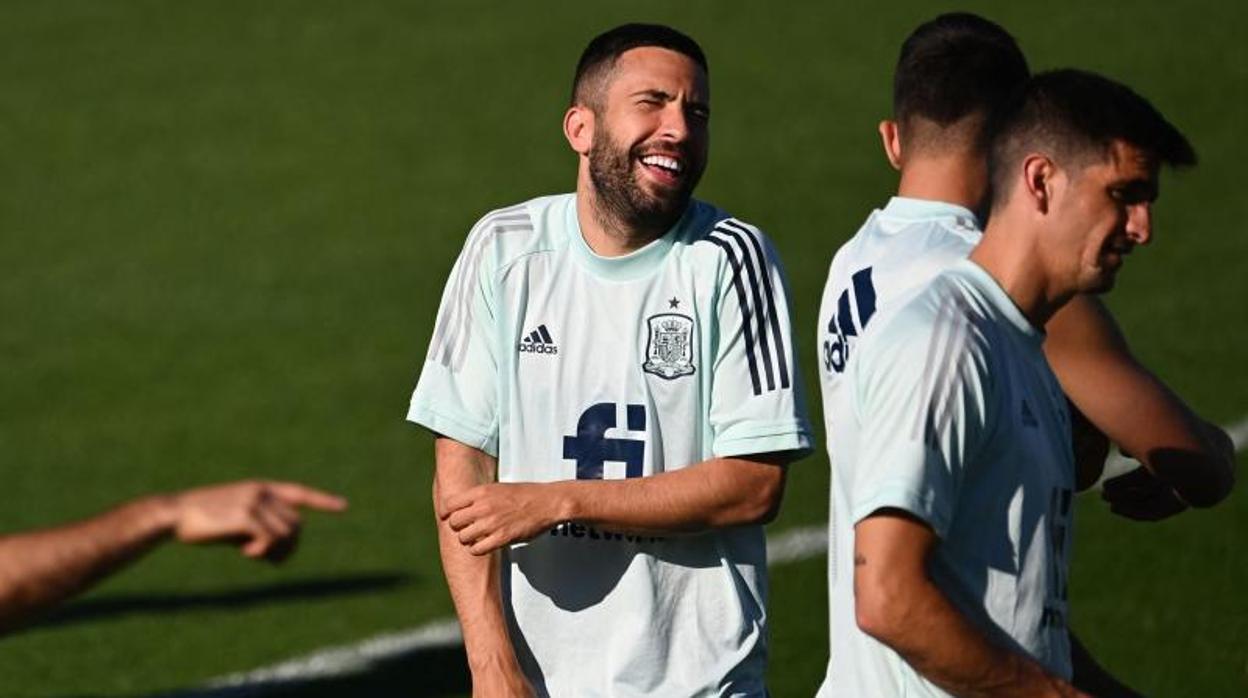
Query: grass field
point(224, 228)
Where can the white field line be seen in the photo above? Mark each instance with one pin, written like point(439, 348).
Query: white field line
point(793, 545)
point(332, 661)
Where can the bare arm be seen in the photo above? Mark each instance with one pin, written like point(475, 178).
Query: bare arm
point(474, 580)
point(41, 568)
point(712, 494)
point(1133, 407)
point(897, 604)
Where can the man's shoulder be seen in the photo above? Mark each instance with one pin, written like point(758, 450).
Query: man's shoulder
point(717, 234)
point(942, 315)
point(906, 247)
point(510, 232)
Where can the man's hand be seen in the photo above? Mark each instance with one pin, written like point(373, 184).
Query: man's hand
point(42, 567)
point(488, 517)
point(1140, 496)
point(262, 516)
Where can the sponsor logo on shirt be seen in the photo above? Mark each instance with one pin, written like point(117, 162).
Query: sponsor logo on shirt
point(538, 342)
point(575, 530)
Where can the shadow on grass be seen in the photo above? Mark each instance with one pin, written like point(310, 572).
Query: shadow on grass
point(438, 672)
point(427, 672)
point(119, 605)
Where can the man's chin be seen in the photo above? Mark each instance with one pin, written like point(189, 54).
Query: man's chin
point(1103, 284)
point(664, 205)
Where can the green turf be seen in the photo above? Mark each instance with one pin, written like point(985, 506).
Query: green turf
point(225, 226)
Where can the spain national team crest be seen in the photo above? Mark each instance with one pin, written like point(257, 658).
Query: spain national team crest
point(669, 351)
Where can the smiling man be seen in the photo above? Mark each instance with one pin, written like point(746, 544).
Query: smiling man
point(956, 476)
point(614, 389)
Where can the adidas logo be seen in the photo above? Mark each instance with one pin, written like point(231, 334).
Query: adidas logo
point(538, 342)
point(1029, 419)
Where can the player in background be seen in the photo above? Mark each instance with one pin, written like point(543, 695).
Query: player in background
point(43, 567)
point(956, 473)
point(612, 379)
point(953, 74)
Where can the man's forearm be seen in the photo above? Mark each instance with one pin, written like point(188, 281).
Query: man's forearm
point(712, 494)
point(715, 493)
point(473, 580)
point(946, 648)
point(1133, 407)
point(40, 568)
point(896, 603)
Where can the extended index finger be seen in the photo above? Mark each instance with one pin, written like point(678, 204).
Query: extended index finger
point(301, 495)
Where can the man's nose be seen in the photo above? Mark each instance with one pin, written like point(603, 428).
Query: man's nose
point(675, 124)
point(1140, 223)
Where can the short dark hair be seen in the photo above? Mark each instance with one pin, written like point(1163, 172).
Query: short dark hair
point(955, 66)
point(605, 49)
point(1076, 116)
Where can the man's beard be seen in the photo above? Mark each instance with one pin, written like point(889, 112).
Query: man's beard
point(622, 200)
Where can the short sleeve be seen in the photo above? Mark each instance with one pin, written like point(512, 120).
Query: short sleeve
point(457, 393)
point(921, 386)
point(756, 401)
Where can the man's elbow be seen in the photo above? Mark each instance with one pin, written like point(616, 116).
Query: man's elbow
point(879, 611)
point(762, 503)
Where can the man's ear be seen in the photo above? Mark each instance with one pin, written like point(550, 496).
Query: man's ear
point(890, 138)
point(1039, 176)
point(578, 128)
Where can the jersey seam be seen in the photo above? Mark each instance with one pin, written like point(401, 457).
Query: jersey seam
point(897, 495)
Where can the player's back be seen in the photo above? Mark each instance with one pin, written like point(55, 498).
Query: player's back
point(897, 251)
point(953, 415)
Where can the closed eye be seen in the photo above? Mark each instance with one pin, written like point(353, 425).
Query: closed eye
point(1134, 192)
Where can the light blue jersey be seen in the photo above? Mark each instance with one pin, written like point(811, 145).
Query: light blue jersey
point(950, 412)
point(568, 365)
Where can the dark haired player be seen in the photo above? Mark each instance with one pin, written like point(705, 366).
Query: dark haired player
point(954, 74)
point(958, 480)
point(620, 361)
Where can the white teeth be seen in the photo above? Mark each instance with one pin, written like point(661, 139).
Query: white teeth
point(662, 161)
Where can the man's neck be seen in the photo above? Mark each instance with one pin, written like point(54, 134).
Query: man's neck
point(605, 235)
point(1008, 253)
point(955, 179)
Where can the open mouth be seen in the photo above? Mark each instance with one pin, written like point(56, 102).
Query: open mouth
point(667, 169)
point(1113, 254)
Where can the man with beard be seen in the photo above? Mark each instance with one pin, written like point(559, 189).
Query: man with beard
point(614, 391)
